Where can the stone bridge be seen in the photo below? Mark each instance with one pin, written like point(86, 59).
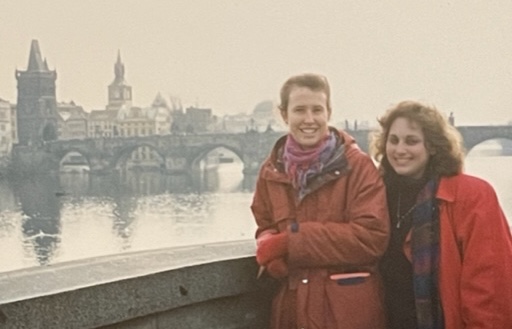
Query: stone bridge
point(182, 153)
point(471, 135)
point(474, 135)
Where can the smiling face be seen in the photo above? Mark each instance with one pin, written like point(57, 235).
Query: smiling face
point(405, 148)
point(307, 115)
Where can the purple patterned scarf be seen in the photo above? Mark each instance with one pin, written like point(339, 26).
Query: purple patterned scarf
point(425, 259)
point(302, 164)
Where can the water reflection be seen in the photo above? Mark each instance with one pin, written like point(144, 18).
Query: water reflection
point(77, 215)
point(40, 209)
point(74, 214)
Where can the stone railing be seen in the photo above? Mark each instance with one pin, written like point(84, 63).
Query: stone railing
point(204, 286)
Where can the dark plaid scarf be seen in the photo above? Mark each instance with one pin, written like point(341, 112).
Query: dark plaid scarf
point(425, 259)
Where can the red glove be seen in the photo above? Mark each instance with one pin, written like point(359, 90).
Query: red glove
point(277, 268)
point(271, 247)
point(264, 236)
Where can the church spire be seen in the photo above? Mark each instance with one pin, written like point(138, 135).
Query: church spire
point(119, 69)
point(119, 92)
point(35, 60)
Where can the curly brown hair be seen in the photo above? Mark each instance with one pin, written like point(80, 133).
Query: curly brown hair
point(442, 140)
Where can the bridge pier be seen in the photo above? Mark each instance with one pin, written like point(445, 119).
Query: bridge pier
point(32, 160)
point(250, 177)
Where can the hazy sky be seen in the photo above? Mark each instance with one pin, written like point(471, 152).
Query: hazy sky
point(230, 55)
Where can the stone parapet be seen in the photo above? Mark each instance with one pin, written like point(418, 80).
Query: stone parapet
point(203, 286)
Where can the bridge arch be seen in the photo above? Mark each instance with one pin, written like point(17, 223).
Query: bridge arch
point(493, 146)
point(475, 135)
point(198, 156)
point(209, 173)
point(123, 154)
point(61, 156)
point(68, 158)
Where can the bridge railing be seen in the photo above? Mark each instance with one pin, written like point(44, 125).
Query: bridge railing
point(204, 286)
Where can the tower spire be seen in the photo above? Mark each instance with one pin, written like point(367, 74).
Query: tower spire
point(36, 109)
point(119, 92)
point(35, 60)
point(119, 68)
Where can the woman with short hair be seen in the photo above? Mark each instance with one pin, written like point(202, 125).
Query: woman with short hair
point(320, 208)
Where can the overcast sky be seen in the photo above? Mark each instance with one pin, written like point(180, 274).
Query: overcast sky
point(230, 55)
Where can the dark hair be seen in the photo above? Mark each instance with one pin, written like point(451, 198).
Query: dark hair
point(442, 140)
point(315, 82)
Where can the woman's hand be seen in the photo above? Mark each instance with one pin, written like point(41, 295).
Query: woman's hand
point(277, 268)
point(271, 247)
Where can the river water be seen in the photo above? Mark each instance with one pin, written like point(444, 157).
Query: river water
point(76, 215)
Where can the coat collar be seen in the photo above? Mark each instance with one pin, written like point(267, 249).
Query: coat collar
point(447, 189)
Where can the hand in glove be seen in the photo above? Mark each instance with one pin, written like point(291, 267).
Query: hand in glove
point(277, 268)
point(270, 247)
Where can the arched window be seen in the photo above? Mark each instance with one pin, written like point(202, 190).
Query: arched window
point(49, 133)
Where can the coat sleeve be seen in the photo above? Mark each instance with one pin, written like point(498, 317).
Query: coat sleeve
point(358, 240)
point(486, 247)
point(260, 206)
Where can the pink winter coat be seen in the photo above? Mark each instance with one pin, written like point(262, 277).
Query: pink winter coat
point(341, 227)
point(476, 255)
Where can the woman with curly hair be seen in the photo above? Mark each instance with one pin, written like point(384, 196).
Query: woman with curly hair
point(449, 261)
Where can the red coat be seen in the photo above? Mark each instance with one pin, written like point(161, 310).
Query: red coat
point(476, 256)
point(343, 226)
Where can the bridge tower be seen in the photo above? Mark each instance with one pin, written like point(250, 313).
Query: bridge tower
point(119, 92)
point(37, 105)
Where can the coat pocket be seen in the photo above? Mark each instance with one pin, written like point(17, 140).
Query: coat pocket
point(357, 302)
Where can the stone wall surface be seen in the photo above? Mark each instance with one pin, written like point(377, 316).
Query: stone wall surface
point(204, 286)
